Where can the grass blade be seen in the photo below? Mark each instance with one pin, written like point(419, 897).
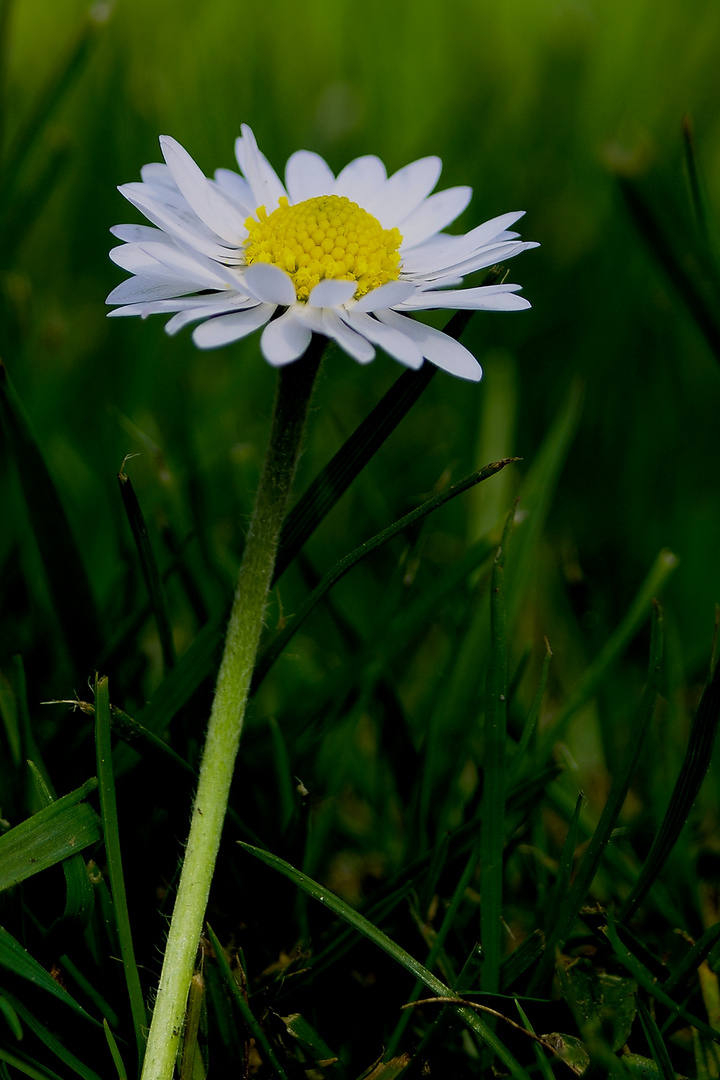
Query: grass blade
point(655, 1042)
point(67, 579)
point(276, 647)
point(334, 480)
point(108, 807)
point(492, 838)
point(21, 963)
point(611, 811)
point(52, 1042)
point(398, 954)
point(57, 832)
point(148, 565)
point(115, 1053)
point(253, 1026)
point(692, 773)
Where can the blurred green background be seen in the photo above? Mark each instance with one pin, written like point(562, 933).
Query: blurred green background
point(538, 107)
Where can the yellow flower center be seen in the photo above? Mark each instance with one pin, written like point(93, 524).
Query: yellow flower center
point(325, 237)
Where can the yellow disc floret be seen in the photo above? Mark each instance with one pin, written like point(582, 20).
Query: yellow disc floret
point(325, 237)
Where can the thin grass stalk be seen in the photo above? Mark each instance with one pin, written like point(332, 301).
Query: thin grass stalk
point(108, 807)
point(228, 712)
point(492, 838)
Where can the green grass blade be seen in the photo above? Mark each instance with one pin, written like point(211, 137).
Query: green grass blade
point(693, 958)
point(518, 758)
point(544, 1066)
point(318, 1055)
point(655, 1042)
point(108, 807)
point(616, 644)
point(114, 1052)
point(53, 1043)
point(275, 648)
point(21, 963)
point(492, 838)
point(565, 866)
point(611, 811)
point(246, 1012)
point(193, 1012)
point(325, 490)
point(645, 979)
point(11, 1017)
point(440, 938)
point(67, 579)
point(663, 249)
point(57, 832)
point(149, 567)
point(399, 955)
point(692, 773)
point(22, 1063)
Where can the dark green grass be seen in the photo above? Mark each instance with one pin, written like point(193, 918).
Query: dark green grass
point(465, 775)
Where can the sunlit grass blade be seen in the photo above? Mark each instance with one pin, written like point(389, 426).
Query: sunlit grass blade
point(672, 261)
point(692, 773)
point(115, 1053)
point(52, 1042)
point(108, 807)
point(236, 994)
point(398, 954)
point(149, 567)
point(655, 1042)
point(275, 648)
point(57, 832)
point(615, 645)
point(64, 568)
point(325, 490)
point(611, 811)
point(492, 837)
point(645, 979)
point(21, 963)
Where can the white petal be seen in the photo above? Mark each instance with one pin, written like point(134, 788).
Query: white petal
point(236, 186)
point(139, 290)
point(257, 170)
point(446, 251)
point(135, 233)
point(483, 298)
point(487, 256)
point(285, 339)
point(269, 283)
point(307, 175)
point(163, 261)
point(175, 217)
point(397, 344)
point(331, 292)
point(433, 214)
point(205, 198)
point(228, 328)
point(353, 343)
point(405, 190)
point(385, 296)
point(157, 175)
point(203, 307)
point(438, 348)
point(360, 180)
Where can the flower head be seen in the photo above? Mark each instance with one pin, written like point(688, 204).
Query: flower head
point(350, 257)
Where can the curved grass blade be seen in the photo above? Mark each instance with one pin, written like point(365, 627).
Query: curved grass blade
point(611, 811)
point(655, 1042)
point(23, 1064)
point(644, 978)
point(57, 832)
point(245, 1011)
point(492, 837)
point(334, 480)
point(692, 773)
point(10, 1015)
point(149, 567)
point(52, 1042)
point(615, 645)
point(108, 807)
point(21, 963)
point(67, 578)
point(276, 647)
point(399, 955)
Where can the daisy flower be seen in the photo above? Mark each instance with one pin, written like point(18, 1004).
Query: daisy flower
point(351, 257)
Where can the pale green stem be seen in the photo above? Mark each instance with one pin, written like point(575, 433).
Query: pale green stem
point(226, 719)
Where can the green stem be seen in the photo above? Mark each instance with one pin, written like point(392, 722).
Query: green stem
point(226, 719)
